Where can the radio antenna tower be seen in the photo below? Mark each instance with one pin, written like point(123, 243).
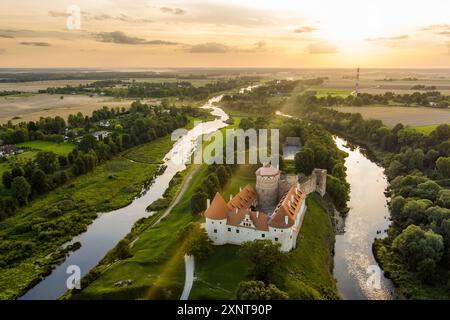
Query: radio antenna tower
point(357, 82)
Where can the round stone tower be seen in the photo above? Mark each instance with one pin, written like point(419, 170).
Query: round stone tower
point(267, 178)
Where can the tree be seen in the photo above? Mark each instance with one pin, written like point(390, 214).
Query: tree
point(257, 290)
point(338, 191)
point(198, 202)
point(304, 161)
point(7, 179)
point(415, 245)
point(396, 168)
point(47, 161)
point(39, 181)
point(443, 166)
point(222, 175)
point(266, 259)
point(122, 250)
point(17, 171)
point(198, 243)
point(20, 190)
point(87, 143)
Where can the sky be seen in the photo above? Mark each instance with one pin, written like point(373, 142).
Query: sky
point(232, 33)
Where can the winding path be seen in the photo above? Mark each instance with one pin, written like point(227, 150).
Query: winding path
point(180, 194)
point(189, 265)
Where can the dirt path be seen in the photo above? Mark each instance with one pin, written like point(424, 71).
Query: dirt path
point(180, 194)
point(189, 264)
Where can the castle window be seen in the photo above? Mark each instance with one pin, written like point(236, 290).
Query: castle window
point(276, 239)
point(212, 222)
point(215, 230)
point(237, 230)
point(220, 222)
point(291, 236)
point(263, 235)
point(229, 229)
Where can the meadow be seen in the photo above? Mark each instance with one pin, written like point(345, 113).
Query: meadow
point(413, 116)
point(63, 148)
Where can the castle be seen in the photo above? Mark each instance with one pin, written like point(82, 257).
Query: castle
point(274, 211)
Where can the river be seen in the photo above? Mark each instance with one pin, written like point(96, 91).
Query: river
point(109, 228)
point(355, 269)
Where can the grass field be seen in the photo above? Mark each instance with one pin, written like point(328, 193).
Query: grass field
point(324, 92)
point(426, 129)
point(413, 116)
point(59, 148)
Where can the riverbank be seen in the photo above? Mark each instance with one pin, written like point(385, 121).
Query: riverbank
point(73, 207)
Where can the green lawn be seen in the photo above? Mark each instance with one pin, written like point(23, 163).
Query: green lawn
point(62, 148)
point(324, 92)
point(151, 153)
point(426, 129)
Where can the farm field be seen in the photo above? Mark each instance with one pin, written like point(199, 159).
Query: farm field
point(377, 86)
point(413, 116)
point(31, 108)
point(62, 149)
point(324, 92)
point(34, 86)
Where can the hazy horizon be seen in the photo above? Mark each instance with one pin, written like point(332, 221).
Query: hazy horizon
point(211, 34)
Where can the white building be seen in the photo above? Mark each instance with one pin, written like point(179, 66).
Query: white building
point(244, 217)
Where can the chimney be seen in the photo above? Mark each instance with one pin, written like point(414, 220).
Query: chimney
point(231, 197)
point(237, 210)
point(257, 214)
point(240, 188)
point(292, 198)
point(286, 220)
point(208, 203)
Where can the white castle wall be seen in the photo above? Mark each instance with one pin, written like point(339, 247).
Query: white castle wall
point(220, 233)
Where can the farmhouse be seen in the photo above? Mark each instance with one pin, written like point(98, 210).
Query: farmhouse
point(274, 210)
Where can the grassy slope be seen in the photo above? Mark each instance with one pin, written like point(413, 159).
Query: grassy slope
point(112, 185)
point(58, 148)
point(157, 266)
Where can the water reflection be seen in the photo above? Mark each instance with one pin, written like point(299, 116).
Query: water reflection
point(368, 214)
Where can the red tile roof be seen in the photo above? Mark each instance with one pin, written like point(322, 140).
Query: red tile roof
point(267, 170)
point(218, 210)
point(289, 206)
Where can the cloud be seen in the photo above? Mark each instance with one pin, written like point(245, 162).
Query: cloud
point(210, 47)
point(58, 14)
point(121, 38)
point(35, 44)
point(305, 29)
point(321, 48)
point(393, 38)
point(6, 36)
point(2, 51)
point(176, 11)
point(121, 17)
point(443, 33)
point(434, 27)
point(102, 17)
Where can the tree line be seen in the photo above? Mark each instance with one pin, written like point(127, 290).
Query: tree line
point(416, 251)
point(141, 124)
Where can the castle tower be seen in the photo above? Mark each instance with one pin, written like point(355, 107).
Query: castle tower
point(321, 181)
point(267, 178)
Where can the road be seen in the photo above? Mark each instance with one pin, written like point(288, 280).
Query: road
point(189, 279)
point(180, 194)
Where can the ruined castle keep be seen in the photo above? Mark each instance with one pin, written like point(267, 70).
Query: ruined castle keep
point(273, 210)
